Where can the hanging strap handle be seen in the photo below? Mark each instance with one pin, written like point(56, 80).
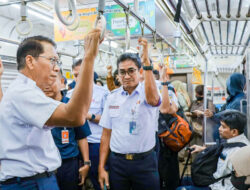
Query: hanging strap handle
point(178, 12)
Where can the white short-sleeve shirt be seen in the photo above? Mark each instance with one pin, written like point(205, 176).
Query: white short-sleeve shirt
point(117, 116)
point(26, 145)
point(96, 107)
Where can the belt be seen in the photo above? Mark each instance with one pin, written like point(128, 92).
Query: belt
point(134, 156)
point(69, 159)
point(20, 179)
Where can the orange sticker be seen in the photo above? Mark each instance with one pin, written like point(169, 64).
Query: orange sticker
point(65, 136)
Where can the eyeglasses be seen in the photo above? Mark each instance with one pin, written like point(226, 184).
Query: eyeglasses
point(130, 72)
point(53, 61)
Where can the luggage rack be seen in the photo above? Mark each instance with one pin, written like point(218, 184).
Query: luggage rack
point(214, 45)
point(212, 18)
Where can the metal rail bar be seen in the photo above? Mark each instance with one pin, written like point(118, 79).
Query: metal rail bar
point(228, 27)
point(248, 13)
point(228, 9)
point(239, 7)
point(212, 30)
point(199, 16)
point(17, 43)
point(220, 37)
point(224, 18)
point(218, 9)
point(204, 136)
point(142, 20)
point(189, 31)
point(16, 2)
point(227, 54)
point(246, 45)
point(235, 31)
point(229, 45)
point(242, 34)
point(9, 41)
point(208, 10)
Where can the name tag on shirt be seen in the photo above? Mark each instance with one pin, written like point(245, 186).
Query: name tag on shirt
point(65, 136)
point(133, 129)
point(114, 110)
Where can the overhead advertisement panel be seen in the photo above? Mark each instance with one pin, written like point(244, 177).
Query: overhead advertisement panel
point(116, 21)
point(87, 19)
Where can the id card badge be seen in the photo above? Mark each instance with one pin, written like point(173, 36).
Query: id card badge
point(65, 136)
point(133, 128)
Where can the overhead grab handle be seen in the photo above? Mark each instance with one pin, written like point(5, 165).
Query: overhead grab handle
point(23, 13)
point(100, 22)
point(142, 25)
point(127, 37)
point(162, 55)
point(154, 40)
point(72, 13)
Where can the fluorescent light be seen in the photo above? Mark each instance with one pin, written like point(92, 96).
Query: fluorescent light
point(36, 14)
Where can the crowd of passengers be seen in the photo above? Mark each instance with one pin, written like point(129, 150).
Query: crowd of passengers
point(86, 135)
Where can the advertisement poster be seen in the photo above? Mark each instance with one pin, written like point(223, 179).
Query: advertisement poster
point(87, 19)
point(115, 17)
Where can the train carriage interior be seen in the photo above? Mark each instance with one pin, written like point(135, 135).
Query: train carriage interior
point(200, 42)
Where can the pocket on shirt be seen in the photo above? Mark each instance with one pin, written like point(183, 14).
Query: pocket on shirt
point(114, 112)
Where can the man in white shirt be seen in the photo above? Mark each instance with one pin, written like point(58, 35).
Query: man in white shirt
point(129, 125)
point(28, 155)
point(94, 115)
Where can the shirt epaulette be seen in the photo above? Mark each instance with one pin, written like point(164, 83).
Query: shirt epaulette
point(100, 88)
point(115, 90)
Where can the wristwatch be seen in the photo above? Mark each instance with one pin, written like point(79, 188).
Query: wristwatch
point(87, 163)
point(148, 68)
point(164, 83)
point(92, 117)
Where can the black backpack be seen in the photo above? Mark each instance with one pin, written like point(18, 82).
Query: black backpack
point(205, 164)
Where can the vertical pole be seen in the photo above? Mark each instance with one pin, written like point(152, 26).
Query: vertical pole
point(205, 102)
point(212, 92)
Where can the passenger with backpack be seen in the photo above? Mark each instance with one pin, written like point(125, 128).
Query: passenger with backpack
point(211, 166)
point(169, 124)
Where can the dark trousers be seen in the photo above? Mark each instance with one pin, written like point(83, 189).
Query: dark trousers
point(168, 168)
point(44, 183)
point(140, 174)
point(68, 175)
point(94, 157)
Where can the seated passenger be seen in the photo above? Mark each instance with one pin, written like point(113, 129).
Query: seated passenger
point(196, 114)
point(241, 168)
point(232, 128)
point(235, 89)
point(67, 141)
